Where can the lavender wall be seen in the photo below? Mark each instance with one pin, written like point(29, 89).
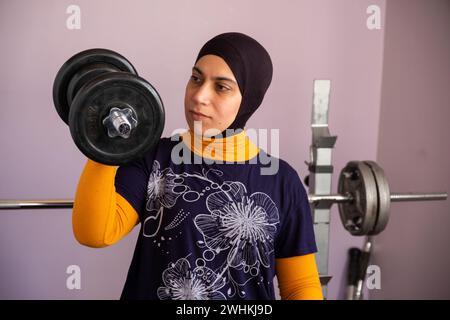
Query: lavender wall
point(413, 148)
point(307, 40)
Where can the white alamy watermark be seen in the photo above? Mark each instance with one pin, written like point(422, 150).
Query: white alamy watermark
point(73, 22)
point(263, 138)
point(73, 281)
point(373, 278)
point(373, 21)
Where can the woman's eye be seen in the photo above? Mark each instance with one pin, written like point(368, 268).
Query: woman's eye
point(195, 78)
point(222, 88)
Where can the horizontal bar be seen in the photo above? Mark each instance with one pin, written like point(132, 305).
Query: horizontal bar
point(397, 197)
point(330, 198)
point(313, 198)
point(36, 204)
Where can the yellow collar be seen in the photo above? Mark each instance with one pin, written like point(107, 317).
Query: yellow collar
point(234, 148)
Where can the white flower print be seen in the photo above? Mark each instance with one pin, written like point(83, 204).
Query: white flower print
point(161, 188)
point(238, 231)
point(243, 224)
point(183, 283)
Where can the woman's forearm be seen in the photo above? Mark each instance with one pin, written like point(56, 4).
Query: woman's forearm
point(298, 278)
point(100, 216)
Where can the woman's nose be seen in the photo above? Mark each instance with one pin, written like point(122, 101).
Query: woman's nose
point(202, 94)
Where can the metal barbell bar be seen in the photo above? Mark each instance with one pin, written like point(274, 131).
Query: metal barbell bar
point(364, 199)
point(395, 197)
point(36, 204)
point(313, 199)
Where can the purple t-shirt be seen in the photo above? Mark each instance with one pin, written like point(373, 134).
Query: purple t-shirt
point(211, 231)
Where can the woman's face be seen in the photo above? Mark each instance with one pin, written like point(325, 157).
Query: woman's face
point(212, 96)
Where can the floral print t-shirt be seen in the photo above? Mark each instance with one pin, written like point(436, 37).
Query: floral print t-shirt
point(211, 230)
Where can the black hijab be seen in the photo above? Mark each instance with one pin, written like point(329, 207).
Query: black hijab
point(251, 66)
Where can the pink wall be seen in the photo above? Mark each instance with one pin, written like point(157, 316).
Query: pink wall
point(413, 148)
point(307, 40)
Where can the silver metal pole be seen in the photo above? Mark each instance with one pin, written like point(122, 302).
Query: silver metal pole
point(364, 263)
point(397, 197)
point(36, 204)
point(329, 198)
point(313, 198)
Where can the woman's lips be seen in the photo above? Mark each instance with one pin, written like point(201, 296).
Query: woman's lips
point(198, 116)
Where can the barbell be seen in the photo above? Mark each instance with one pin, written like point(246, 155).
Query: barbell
point(364, 199)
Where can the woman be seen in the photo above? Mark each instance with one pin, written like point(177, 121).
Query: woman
point(212, 226)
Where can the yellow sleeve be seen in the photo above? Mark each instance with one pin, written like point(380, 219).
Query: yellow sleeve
point(100, 216)
point(298, 278)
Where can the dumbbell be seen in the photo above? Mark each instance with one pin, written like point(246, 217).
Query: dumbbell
point(114, 115)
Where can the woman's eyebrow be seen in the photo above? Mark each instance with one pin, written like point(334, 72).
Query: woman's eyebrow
point(215, 78)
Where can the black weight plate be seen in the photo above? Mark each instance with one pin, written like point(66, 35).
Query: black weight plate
point(384, 197)
point(84, 75)
point(92, 105)
point(359, 216)
point(72, 66)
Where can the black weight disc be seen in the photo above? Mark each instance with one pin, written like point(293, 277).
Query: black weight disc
point(85, 74)
point(359, 216)
point(72, 68)
point(92, 105)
